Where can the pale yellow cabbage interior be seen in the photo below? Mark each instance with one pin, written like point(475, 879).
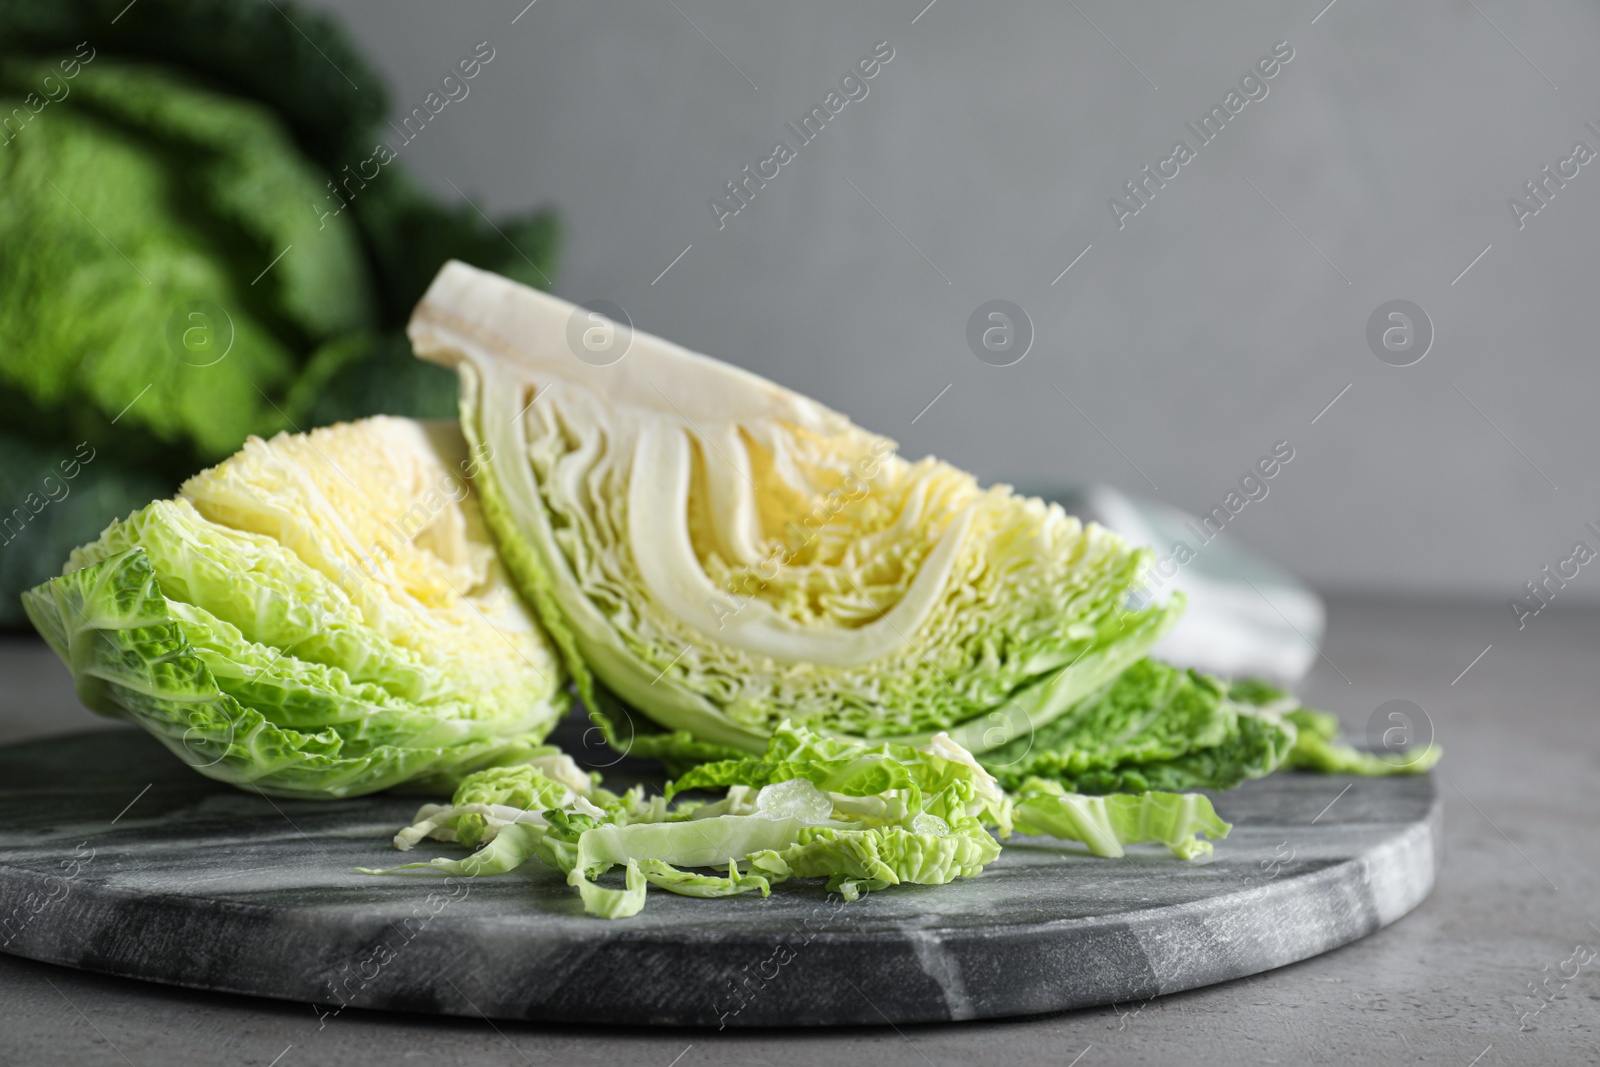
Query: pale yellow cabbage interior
point(383, 510)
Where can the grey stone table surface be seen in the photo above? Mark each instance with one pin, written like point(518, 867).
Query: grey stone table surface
point(1449, 984)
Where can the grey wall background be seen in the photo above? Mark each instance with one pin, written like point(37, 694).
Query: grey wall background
point(1221, 319)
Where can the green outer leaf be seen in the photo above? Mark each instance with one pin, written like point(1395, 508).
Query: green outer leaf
point(1156, 727)
point(1259, 693)
point(1318, 749)
point(1045, 700)
point(1151, 712)
point(130, 658)
point(257, 590)
point(1255, 746)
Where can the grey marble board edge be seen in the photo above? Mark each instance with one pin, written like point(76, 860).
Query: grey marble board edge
point(747, 968)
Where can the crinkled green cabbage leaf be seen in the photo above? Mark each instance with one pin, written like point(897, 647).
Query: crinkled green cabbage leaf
point(1167, 728)
point(1318, 748)
point(1154, 727)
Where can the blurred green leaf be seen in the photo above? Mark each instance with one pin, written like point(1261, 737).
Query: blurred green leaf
point(164, 198)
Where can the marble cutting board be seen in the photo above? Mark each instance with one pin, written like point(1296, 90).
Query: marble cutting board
point(114, 857)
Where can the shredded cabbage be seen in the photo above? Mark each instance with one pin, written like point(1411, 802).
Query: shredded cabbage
point(865, 817)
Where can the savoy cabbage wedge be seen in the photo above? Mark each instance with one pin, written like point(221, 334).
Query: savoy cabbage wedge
point(321, 615)
point(724, 554)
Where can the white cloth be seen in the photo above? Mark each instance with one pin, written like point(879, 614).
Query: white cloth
point(1246, 616)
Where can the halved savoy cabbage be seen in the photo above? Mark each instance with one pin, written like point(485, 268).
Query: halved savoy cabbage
point(322, 615)
point(724, 554)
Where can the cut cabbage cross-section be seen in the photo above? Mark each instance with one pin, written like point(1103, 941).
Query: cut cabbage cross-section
point(321, 615)
point(723, 554)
